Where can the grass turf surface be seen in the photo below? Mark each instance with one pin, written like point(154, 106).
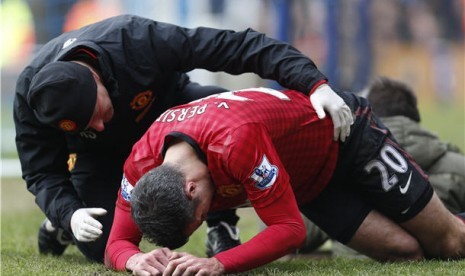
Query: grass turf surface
point(20, 219)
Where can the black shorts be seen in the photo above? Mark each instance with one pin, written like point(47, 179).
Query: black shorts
point(373, 172)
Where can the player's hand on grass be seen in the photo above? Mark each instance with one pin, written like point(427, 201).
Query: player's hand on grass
point(186, 264)
point(84, 225)
point(151, 263)
point(324, 98)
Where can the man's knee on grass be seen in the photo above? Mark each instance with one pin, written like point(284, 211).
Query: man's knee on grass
point(451, 245)
point(381, 239)
point(401, 247)
point(441, 234)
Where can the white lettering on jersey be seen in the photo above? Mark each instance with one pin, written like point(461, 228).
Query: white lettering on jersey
point(126, 189)
point(69, 42)
point(223, 105)
point(181, 114)
point(265, 174)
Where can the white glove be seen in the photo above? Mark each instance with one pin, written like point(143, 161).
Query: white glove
point(324, 98)
point(84, 225)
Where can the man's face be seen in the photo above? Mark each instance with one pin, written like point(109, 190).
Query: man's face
point(103, 111)
point(202, 202)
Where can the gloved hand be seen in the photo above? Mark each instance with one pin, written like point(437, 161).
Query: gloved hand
point(84, 225)
point(324, 98)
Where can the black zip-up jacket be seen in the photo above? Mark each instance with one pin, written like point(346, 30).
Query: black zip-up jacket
point(143, 65)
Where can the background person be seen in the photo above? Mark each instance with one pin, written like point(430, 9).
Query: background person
point(90, 94)
point(269, 149)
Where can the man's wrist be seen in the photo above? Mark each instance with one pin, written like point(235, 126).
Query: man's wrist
point(132, 261)
point(119, 260)
point(219, 265)
point(319, 84)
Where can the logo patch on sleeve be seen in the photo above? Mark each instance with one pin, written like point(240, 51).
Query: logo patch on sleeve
point(265, 174)
point(126, 189)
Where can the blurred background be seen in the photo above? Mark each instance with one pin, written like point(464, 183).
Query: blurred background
point(351, 41)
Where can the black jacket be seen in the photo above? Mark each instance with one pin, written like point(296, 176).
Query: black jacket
point(143, 64)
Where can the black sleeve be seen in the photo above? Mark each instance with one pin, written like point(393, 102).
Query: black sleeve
point(235, 53)
point(43, 155)
point(146, 48)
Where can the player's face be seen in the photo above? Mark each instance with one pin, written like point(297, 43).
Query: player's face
point(103, 111)
point(202, 203)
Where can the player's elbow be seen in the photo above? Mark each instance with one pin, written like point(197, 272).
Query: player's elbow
point(301, 236)
point(108, 260)
point(298, 235)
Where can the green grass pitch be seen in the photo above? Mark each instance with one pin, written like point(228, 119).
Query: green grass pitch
point(20, 219)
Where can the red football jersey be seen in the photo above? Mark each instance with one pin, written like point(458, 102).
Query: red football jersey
point(257, 143)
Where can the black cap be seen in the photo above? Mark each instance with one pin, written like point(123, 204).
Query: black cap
point(63, 94)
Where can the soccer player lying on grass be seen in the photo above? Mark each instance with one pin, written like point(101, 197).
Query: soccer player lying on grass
point(269, 149)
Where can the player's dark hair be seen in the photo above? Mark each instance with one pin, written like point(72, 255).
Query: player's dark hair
point(160, 207)
point(392, 98)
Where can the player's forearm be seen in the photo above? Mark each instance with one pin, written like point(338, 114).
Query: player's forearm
point(124, 238)
point(285, 233)
point(269, 245)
